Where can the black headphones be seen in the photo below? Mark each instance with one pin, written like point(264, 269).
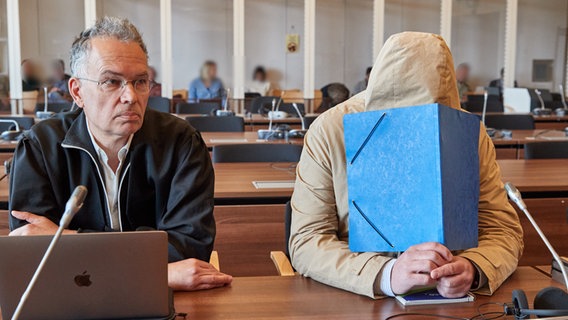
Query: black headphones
point(549, 302)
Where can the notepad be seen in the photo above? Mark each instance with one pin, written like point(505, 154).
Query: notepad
point(228, 140)
point(282, 184)
point(430, 296)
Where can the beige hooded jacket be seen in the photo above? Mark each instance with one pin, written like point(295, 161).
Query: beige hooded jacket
point(411, 69)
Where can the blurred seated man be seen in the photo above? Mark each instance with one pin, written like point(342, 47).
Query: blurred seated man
point(333, 94)
point(462, 77)
point(143, 168)
point(498, 83)
point(411, 69)
point(362, 85)
point(156, 90)
point(30, 80)
point(207, 85)
point(259, 83)
point(59, 91)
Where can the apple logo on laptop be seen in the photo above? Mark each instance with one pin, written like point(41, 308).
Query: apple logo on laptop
point(83, 279)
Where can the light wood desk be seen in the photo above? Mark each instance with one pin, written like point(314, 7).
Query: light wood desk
point(234, 182)
point(546, 176)
point(301, 298)
point(248, 137)
point(551, 122)
point(513, 148)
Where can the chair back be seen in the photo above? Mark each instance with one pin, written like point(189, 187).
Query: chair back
point(161, 104)
point(510, 121)
point(207, 108)
point(261, 105)
point(217, 124)
point(180, 93)
point(56, 107)
point(291, 111)
point(547, 150)
point(287, 226)
point(25, 123)
point(262, 152)
point(475, 103)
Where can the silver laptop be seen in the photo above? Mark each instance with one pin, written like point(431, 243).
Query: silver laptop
point(88, 276)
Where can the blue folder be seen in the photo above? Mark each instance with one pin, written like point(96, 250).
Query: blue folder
point(413, 177)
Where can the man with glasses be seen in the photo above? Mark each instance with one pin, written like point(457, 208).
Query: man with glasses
point(143, 169)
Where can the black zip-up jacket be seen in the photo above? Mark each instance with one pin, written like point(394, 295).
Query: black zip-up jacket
point(166, 183)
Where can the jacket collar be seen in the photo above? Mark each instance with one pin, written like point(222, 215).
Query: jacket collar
point(78, 134)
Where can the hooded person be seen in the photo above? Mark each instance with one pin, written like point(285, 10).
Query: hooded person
point(411, 69)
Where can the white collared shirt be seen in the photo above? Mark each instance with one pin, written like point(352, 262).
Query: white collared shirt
point(111, 179)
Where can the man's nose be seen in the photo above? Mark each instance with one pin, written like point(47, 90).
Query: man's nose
point(128, 95)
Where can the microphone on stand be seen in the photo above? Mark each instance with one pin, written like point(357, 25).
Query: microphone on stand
point(276, 113)
point(265, 134)
point(73, 205)
point(11, 135)
point(515, 196)
point(45, 113)
point(561, 111)
point(298, 133)
point(225, 112)
point(542, 111)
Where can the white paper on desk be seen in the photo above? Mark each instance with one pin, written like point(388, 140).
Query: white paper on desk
point(228, 140)
point(282, 184)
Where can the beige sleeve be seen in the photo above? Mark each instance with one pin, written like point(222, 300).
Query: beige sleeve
point(316, 249)
point(500, 233)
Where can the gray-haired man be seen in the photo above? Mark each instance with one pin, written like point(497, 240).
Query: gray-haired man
point(143, 169)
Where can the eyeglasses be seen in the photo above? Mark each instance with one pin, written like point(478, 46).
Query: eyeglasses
point(114, 85)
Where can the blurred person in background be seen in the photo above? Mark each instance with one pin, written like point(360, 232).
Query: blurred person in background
point(462, 77)
point(362, 85)
point(30, 80)
point(259, 83)
point(59, 81)
point(156, 89)
point(207, 85)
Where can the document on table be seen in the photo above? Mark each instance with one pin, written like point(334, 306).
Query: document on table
point(281, 184)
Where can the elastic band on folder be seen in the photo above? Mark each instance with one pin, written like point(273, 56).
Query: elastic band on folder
point(370, 222)
point(368, 138)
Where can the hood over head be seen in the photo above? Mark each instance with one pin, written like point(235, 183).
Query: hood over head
point(413, 68)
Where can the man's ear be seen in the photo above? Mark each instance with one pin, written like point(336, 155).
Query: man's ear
point(75, 91)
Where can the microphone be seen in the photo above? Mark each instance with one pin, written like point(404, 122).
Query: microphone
point(271, 133)
point(485, 97)
point(515, 196)
point(542, 111)
point(45, 113)
point(11, 135)
point(562, 95)
point(298, 133)
point(225, 112)
point(73, 205)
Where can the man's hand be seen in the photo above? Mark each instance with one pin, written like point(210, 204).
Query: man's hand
point(194, 274)
point(414, 267)
point(37, 225)
point(455, 278)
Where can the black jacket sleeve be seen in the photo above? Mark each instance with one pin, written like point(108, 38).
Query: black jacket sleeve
point(31, 188)
point(188, 218)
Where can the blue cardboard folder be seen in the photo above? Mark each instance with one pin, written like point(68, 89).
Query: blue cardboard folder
point(413, 177)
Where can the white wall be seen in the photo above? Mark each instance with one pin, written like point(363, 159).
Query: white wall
point(203, 30)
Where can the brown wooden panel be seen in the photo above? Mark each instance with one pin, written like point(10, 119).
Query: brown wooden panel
point(551, 125)
point(551, 216)
point(245, 237)
point(506, 153)
point(4, 227)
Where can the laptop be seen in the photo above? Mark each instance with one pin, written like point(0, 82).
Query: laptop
point(88, 276)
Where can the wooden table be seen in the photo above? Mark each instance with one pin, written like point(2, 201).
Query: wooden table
point(8, 146)
point(254, 122)
point(546, 177)
point(513, 148)
point(248, 137)
point(301, 298)
point(551, 122)
point(234, 182)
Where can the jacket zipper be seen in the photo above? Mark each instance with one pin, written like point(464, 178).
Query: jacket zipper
point(119, 192)
point(103, 183)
